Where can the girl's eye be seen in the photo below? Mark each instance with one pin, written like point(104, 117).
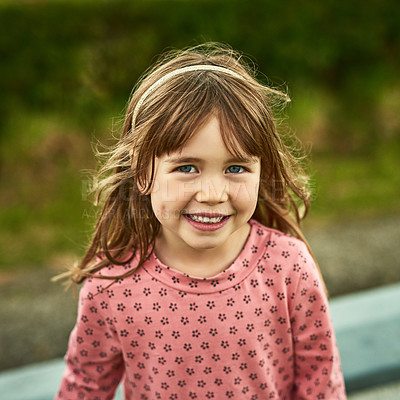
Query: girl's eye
point(186, 169)
point(235, 169)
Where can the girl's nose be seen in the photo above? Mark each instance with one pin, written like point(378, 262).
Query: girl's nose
point(212, 190)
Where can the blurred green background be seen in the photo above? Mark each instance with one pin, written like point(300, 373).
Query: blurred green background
point(66, 71)
point(68, 67)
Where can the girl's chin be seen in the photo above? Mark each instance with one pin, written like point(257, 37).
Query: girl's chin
point(202, 245)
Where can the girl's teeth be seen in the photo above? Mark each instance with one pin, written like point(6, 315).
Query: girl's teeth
point(206, 220)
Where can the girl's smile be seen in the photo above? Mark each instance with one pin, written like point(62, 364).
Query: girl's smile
point(207, 222)
point(203, 197)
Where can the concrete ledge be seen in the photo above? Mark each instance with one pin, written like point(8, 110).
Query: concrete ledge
point(367, 328)
point(34, 382)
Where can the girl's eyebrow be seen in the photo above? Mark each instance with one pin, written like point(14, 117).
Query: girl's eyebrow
point(185, 160)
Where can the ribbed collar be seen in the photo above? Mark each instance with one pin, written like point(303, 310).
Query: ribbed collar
point(243, 265)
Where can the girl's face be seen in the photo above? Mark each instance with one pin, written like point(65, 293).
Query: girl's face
point(202, 195)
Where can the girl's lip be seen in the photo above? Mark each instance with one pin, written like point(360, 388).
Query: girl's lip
point(202, 226)
point(209, 215)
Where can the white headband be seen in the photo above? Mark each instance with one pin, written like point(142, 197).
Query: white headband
point(179, 71)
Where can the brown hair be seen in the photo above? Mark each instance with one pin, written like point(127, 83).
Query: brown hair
point(165, 121)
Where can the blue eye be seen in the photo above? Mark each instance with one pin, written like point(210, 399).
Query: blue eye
point(186, 169)
point(235, 169)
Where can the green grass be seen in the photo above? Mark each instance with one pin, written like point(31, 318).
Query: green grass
point(44, 213)
point(356, 186)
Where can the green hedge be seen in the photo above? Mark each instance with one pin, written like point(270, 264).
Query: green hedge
point(82, 56)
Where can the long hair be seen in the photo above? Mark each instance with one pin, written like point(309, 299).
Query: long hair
point(165, 122)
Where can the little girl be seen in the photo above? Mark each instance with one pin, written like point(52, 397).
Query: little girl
point(198, 283)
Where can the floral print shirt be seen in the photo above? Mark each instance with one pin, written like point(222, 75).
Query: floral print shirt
point(261, 329)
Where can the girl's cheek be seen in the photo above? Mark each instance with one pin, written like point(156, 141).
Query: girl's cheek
point(245, 192)
point(186, 190)
point(173, 191)
point(167, 214)
point(164, 213)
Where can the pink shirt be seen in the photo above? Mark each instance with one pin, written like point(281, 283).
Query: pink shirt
point(261, 329)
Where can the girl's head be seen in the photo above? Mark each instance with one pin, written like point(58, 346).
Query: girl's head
point(203, 195)
point(178, 97)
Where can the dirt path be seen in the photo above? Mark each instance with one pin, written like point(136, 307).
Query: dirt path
point(358, 255)
point(36, 315)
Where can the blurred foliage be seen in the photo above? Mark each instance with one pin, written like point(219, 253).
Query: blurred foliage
point(67, 67)
point(82, 56)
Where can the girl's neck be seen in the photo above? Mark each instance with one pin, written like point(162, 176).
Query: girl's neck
point(201, 263)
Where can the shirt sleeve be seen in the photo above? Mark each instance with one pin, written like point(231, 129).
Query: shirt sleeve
point(94, 364)
point(318, 373)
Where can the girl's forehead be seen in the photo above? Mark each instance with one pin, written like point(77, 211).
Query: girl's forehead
point(213, 137)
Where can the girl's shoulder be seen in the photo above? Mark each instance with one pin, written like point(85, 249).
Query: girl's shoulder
point(285, 252)
point(109, 273)
point(273, 238)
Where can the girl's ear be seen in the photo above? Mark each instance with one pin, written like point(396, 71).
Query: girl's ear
point(140, 185)
point(142, 189)
point(145, 186)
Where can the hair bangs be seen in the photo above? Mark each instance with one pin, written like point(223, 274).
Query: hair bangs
point(186, 108)
point(241, 131)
